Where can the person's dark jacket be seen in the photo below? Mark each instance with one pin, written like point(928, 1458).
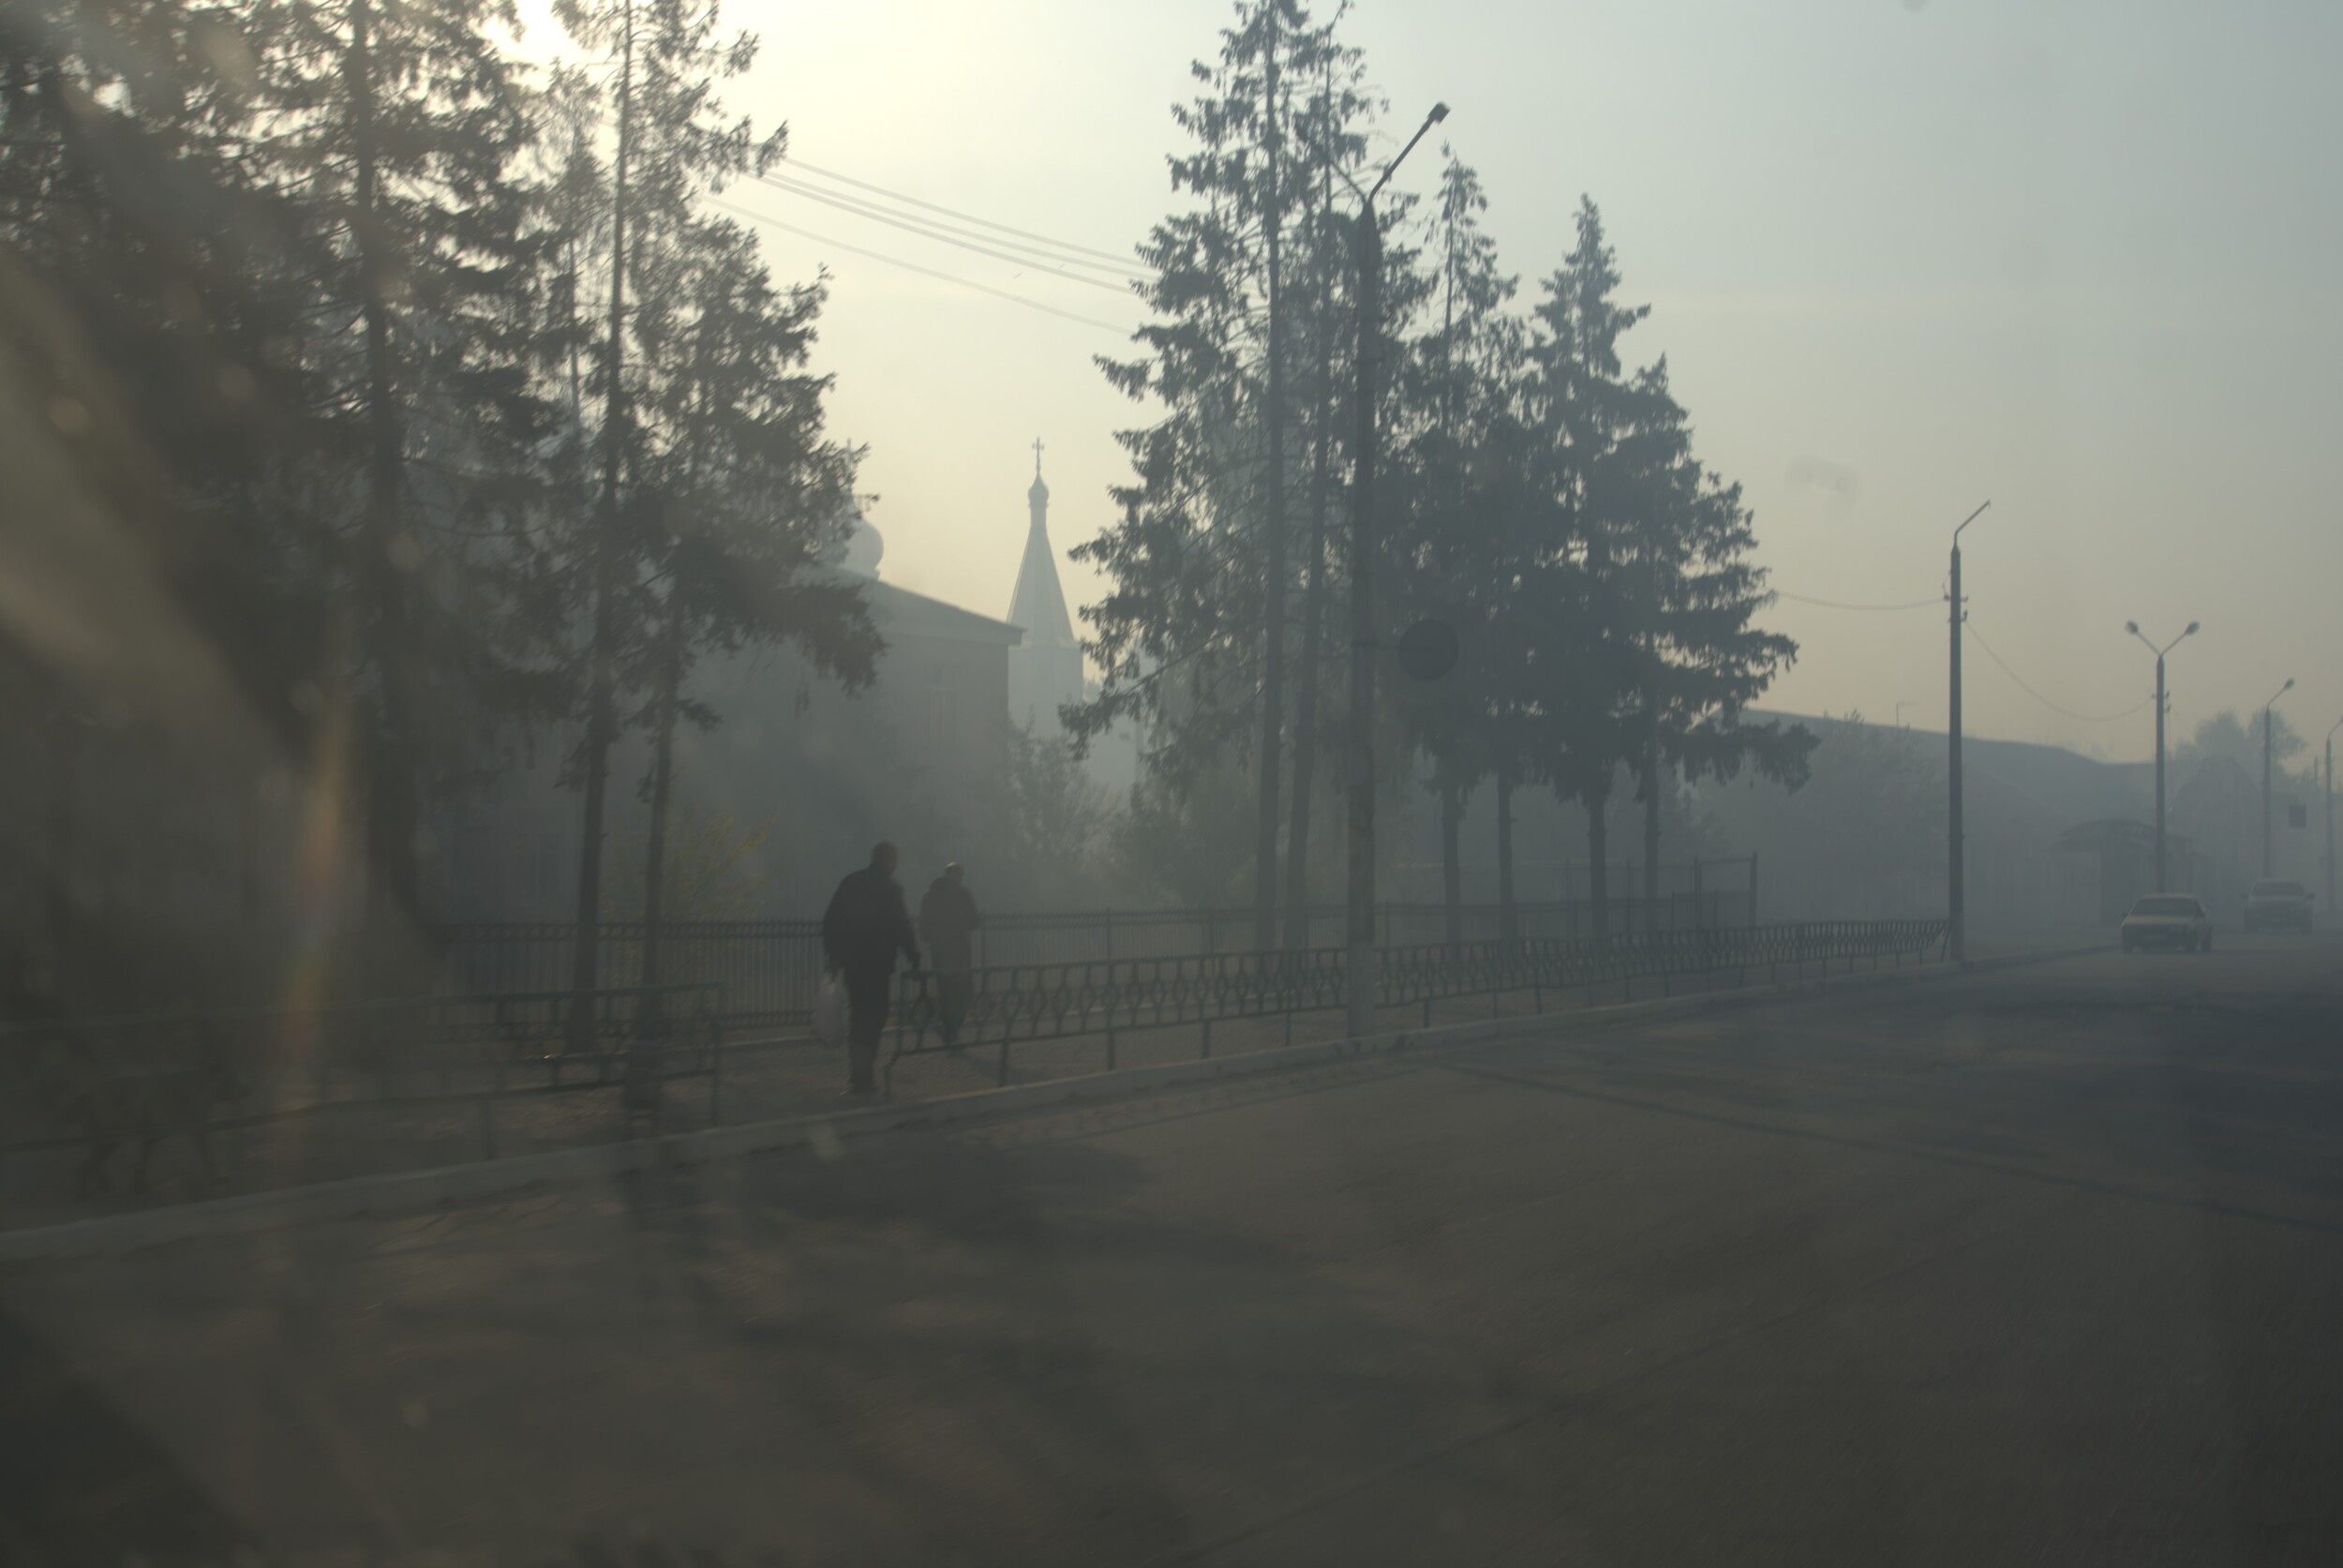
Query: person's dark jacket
point(948, 918)
point(866, 926)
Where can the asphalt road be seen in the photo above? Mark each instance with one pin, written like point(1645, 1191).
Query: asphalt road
point(2041, 1266)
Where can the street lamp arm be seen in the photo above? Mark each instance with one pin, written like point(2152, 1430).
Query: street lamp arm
point(2133, 627)
point(1966, 521)
point(1439, 112)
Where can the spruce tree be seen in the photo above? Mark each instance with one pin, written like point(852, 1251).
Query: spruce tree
point(403, 132)
point(1643, 626)
point(1193, 637)
point(1458, 470)
point(1581, 666)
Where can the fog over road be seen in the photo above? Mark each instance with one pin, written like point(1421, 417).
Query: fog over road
point(2037, 1265)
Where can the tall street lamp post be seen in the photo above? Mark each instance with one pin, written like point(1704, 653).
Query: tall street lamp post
point(1956, 898)
point(2133, 627)
point(2269, 823)
point(1359, 948)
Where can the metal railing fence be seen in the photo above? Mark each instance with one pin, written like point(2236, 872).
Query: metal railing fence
point(766, 969)
point(999, 1006)
point(769, 969)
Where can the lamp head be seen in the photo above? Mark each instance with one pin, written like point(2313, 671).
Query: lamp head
point(2132, 626)
point(2192, 630)
point(2287, 687)
point(1439, 112)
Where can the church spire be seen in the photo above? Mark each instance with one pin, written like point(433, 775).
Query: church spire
point(1039, 604)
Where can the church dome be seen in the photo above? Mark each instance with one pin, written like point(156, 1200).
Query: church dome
point(862, 550)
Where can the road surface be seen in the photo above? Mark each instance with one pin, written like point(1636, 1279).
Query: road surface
point(2043, 1265)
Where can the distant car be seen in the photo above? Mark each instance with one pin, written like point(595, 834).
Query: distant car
point(2278, 905)
point(2168, 921)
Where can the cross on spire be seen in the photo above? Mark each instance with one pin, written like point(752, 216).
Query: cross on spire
point(1037, 457)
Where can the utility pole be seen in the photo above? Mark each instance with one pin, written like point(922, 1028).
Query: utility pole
point(1359, 945)
point(2158, 883)
point(2330, 804)
point(2269, 821)
point(1956, 897)
point(2133, 627)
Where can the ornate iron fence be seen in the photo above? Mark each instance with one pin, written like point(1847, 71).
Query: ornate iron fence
point(1000, 1006)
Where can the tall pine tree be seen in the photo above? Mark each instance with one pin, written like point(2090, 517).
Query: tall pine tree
point(403, 131)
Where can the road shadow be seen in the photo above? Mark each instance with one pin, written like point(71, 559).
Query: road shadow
point(82, 1483)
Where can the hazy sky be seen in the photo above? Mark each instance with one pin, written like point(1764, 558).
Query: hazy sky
point(2077, 258)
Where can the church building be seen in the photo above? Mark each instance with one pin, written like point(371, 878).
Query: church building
point(815, 771)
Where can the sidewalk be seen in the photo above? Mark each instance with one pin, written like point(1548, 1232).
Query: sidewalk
point(764, 1078)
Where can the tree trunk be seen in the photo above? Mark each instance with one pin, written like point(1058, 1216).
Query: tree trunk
point(1273, 549)
point(394, 805)
point(1450, 856)
point(1508, 919)
point(649, 1015)
point(1652, 824)
point(1599, 856)
point(600, 695)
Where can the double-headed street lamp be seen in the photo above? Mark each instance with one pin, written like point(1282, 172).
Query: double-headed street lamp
point(2133, 627)
point(1359, 945)
point(2268, 822)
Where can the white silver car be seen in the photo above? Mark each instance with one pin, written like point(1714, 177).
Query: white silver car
point(2276, 904)
point(2168, 921)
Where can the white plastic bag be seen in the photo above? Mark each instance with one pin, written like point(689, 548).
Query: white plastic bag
point(830, 1011)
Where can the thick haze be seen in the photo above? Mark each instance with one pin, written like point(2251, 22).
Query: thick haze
point(2074, 258)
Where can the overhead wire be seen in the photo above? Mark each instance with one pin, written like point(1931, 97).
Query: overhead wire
point(965, 217)
point(1836, 604)
point(2055, 708)
point(912, 266)
point(1036, 259)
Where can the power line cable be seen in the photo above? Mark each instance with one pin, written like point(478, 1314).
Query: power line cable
point(1038, 260)
point(858, 204)
point(948, 212)
point(1835, 604)
point(914, 266)
point(2055, 708)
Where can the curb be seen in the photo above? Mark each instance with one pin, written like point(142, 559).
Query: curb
point(407, 1192)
